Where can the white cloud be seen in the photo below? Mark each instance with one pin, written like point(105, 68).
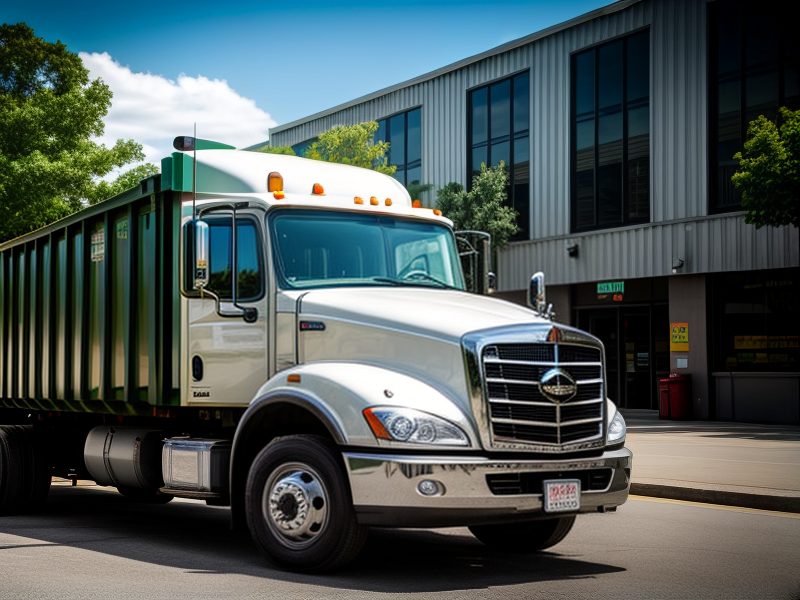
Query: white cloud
point(152, 110)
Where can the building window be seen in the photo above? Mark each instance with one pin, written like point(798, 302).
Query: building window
point(611, 134)
point(753, 314)
point(498, 129)
point(754, 67)
point(403, 131)
point(301, 147)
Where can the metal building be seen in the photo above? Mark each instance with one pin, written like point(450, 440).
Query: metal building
point(619, 129)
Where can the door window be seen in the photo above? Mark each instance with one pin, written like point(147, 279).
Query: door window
point(248, 258)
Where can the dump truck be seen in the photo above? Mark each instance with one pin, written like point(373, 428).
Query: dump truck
point(295, 339)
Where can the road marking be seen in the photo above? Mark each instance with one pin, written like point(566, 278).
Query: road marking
point(741, 509)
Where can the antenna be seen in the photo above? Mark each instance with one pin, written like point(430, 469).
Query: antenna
point(194, 175)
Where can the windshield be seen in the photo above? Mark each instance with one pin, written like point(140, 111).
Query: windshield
point(329, 249)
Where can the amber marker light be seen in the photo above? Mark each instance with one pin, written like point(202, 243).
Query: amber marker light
point(437, 212)
point(373, 201)
point(388, 202)
point(274, 182)
point(416, 204)
point(358, 200)
point(293, 378)
point(375, 424)
point(278, 195)
point(317, 189)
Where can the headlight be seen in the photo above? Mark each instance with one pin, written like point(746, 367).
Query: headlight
point(616, 429)
point(413, 426)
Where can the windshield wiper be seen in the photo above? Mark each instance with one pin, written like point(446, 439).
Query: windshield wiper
point(424, 277)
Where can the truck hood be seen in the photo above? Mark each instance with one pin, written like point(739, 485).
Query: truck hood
point(439, 313)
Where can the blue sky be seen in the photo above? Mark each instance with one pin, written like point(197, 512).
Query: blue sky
point(286, 60)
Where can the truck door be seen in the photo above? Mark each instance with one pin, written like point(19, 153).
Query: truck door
point(227, 355)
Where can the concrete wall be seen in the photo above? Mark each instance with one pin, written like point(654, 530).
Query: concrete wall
point(687, 304)
point(757, 397)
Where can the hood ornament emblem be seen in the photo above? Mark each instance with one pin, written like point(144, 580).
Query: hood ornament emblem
point(557, 386)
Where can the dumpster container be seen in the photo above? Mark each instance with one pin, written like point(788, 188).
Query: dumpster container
point(674, 397)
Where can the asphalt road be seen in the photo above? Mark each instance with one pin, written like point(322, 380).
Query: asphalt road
point(96, 544)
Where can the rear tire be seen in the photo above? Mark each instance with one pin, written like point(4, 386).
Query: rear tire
point(526, 537)
point(24, 470)
point(298, 505)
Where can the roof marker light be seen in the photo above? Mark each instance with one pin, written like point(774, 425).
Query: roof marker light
point(388, 202)
point(358, 200)
point(278, 195)
point(437, 212)
point(317, 189)
point(293, 378)
point(373, 201)
point(416, 204)
point(274, 182)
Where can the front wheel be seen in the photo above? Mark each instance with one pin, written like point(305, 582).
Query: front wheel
point(530, 536)
point(298, 505)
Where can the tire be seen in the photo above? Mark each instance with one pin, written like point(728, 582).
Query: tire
point(526, 537)
point(24, 470)
point(146, 495)
point(298, 505)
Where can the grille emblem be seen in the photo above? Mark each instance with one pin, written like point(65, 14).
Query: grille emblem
point(557, 386)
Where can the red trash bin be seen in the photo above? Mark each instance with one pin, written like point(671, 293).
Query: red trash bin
point(663, 398)
point(675, 397)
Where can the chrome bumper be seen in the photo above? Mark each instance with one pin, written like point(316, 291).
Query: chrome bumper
point(384, 488)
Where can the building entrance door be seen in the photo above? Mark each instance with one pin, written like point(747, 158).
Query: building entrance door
point(636, 357)
point(636, 354)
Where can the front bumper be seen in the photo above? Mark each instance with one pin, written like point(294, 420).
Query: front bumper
point(384, 487)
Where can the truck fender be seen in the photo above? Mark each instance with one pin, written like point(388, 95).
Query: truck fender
point(327, 398)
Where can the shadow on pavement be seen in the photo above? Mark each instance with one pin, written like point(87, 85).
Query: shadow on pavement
point(197, 539)
point(722, 432)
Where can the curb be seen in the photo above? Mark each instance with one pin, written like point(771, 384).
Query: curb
point(725, 498)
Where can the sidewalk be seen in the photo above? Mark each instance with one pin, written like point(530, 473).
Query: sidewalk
point(738, 464)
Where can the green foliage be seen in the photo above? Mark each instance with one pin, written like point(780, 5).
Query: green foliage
point(482, 208)
point(287, 150)
point(352, 145)
point(131, 178)
point(768, 176)
point(49, 111)
point(417, 190)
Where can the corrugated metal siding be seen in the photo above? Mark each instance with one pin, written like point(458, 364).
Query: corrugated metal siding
point(550, 124)
point(706, 244)
point(678, 110)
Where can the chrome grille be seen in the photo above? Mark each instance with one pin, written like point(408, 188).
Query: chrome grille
point(518, 410)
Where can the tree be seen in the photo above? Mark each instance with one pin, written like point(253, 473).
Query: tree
point(287, 150)
point(49, 111)
point(104, 189)
point(483, 207)
point(768, 176)
point(416, 190)
point(352, 145)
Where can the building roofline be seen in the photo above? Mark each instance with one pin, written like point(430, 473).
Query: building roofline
point(603, 11)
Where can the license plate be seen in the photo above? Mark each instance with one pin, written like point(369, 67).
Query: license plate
point(562, 495)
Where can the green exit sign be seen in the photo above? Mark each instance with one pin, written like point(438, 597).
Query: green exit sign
point(611, 287)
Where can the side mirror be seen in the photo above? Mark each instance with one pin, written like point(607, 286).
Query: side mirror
point(536, 293)
point(201, 249)
point(537, 298)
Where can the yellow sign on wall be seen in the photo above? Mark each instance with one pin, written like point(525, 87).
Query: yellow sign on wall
point(679, 337)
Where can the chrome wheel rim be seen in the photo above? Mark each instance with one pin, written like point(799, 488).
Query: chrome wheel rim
point(295, 504)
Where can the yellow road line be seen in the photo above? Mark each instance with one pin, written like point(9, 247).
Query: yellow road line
point(741, 509)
